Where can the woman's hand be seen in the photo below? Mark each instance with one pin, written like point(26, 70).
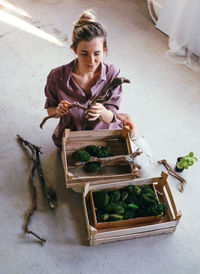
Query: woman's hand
point(62, 108)
point(127, 121)
point(99, 111)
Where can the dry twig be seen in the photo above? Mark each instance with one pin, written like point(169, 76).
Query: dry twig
point(102, 97)
point(48, 192)
point(173, 173)
point(114, 159)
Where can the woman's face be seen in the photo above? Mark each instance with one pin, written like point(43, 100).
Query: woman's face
point(90, 54)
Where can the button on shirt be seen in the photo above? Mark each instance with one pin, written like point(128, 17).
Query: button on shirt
point(61, 86)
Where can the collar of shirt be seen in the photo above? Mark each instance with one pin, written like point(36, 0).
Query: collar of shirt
point(70, 66)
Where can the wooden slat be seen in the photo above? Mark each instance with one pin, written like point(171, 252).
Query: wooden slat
point(121, 184)
point(68, 174)
point(117, 147)
point(131, 236)
point(133, 230)
point(95, 134)
point(103, 180)
point(169, 212)
point(171, 199)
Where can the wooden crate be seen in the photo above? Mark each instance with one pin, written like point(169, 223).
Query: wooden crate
point(119, 142)
point(166, 224)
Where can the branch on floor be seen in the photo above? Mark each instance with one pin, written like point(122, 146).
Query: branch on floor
point(48, 192)
point(173, 173)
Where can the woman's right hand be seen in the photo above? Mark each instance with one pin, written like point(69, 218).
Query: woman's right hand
point(127, 121)
point(63, 107)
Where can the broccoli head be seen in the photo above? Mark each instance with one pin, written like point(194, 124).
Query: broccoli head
point(81, 155)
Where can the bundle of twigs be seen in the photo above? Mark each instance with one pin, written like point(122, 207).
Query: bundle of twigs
point(102, 97)
point(48, 192)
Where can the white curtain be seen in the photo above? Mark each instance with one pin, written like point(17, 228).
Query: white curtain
point(180, 20)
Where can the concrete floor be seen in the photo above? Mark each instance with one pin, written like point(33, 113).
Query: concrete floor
point(163, 99)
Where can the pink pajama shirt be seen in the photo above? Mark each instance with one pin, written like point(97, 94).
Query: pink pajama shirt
point(61, 86)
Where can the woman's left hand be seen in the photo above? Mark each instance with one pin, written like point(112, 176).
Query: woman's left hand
point(96, 111)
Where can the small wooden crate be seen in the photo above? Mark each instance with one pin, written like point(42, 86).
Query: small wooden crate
point(119, 142)
point(166, 224)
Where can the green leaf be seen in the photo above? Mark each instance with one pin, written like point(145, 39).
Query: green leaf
point(191, 154)
point(185, 165)
point(190, 163)
point(194, 158)
point(179, 165)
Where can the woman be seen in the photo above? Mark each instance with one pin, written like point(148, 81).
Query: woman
point(81, 80)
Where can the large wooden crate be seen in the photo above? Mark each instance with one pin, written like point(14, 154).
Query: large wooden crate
point(119, 142)
point(166, 224)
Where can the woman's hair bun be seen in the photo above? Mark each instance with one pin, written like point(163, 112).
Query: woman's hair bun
point(86, 28)
point(86, 16)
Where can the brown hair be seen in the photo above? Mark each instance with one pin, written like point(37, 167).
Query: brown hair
point(86, 28)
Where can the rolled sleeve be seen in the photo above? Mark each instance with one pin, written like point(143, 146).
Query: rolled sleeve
point(50, 91)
